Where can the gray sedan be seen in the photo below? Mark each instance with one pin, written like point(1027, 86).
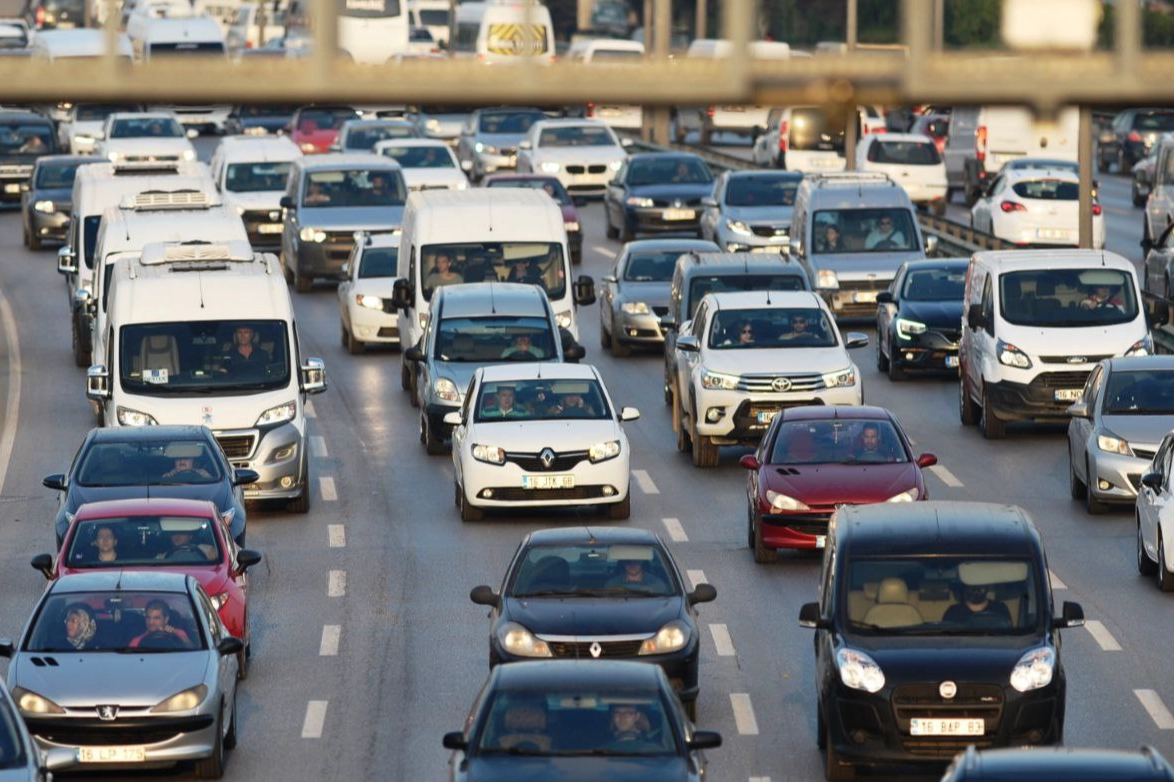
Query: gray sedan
point(489, 139)
point(128, 670)
point(20, 758)
point(751, 210)
point(1126, 407)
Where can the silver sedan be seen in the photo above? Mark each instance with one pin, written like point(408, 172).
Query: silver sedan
point(751, 210)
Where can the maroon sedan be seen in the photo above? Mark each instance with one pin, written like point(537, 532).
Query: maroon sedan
point(556, 190)
point(815, 459)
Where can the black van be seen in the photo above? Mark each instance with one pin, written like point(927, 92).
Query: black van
point(935, 630)
point(24, 137)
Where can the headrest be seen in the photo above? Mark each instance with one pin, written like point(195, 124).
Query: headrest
point(893, 590)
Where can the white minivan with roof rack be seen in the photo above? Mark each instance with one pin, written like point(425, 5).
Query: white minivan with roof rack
point(205, 334)
point(251, 173)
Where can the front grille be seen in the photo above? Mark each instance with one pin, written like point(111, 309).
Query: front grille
point(1062, 380)
point(19, 170)
point(113, 736)
point(1143, 453)
point(122, 731)
point(575, 169)
point(532, 495)
point(236, 446)
point(507, 151)
point(531, 461)
point(660, 312)
point(1083, 359)
point(764, 384)
point(582, 649)
point(677, 202)
point(149, 158)
point(869, 284)
point(769, 231)
point(923, 700)
point(596, 168)
point(807, 524)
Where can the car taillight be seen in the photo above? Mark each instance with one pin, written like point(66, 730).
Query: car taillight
point(784, 131)
point(940, 144)
point(1012, 206)
point(709, 112)
point(1096, 209)
point(40, 15)
point(591, 110)
point(1134, 136)
point(248, 44)
point(980, 143)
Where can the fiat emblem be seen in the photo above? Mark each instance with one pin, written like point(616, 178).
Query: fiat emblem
point(781, 384)
point(595, 649)
point(948, 689)
point(547, 457)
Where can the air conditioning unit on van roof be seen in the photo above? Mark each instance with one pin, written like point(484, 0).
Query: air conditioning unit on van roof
point(150, 200)
point(173, 253)
point(140, 167)
point(849, 179)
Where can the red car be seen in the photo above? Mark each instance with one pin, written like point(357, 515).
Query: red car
point(315, 128)
point(815, 459)
point(187, 536)
point(556, 190)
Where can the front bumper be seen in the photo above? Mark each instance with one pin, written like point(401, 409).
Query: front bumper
point(13, 185)
point(202, 116)
point(638, 328)
point(264, 228)
point(436, 414)
point(164, 740)
point(1122, 473)
point(275, 453)
point(500, 486)
point(734, 242)
point(49, 225)
point(374, 326)
point(584, 180)
point(1037, 399)
point(923, 194)
point(653, 220)
point(800, 530)
point(932, 350)
point(322, 259)
point(744, 418)
point(490, 163)
point(855, 298)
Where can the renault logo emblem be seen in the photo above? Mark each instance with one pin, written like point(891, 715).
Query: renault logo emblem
point(781, 384)
point(595, 649)
point(107, 711)
point(547, 457)
point(948, 689)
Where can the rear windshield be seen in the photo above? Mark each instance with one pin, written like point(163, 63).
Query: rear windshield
point(616, 56)
point(56, 176)
point(809, 130)
point(433, 17)
point(324, 119)
point(94, 112)
point(654, 267)
point(576, 136)
point(1154, 121)
point(1047, 190)
point(552, 186)
point(909, 153)
point(761, 191)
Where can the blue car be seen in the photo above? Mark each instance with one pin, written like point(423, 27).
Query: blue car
point(657, 192)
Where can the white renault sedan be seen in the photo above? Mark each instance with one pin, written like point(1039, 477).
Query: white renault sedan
point(1036, 208)
point(427, 164)
point(540, 434)
point(365, 312)
point(912, 161)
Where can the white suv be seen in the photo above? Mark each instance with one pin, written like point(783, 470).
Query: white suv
point(747, 355)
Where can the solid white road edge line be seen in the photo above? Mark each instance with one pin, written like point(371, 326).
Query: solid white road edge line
point(12, 408)
point(327, 488)
point(330, 636)
point(1057, 584)
point(721, 639)
point(743, 713)
point(647, 485)
point(318, 446)
point(1154, 706)
point(315, 720)
point(1102, 635)
point(310, 412)
point(336, 534)
point(336, 584)
point(675, 531)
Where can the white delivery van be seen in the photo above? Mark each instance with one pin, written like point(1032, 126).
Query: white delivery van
point(503, 32)
point(1035, 324)
point(96, 187)
point(513, 235)
point(251, 173)
point(205, 334)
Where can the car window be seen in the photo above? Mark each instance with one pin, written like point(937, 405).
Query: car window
point(1047, 189)
point(935, 285)
point(420, 157)
point(354, 188)
point(668, 170)
point(56, 176)
point(146, 622)
point(533, 400)
point(1139, 392)
point(111, 463)
point(909, 153)
point(772, 327)
point(864, 231)
point(843, 441)
point(1153, 121)
point(1092, 385)
point(154, 540)
point(592, 570)
point(761, 191)
point(1068, 297)
point(379, 262)
point(256, 177)
point(651, 267)
point(576, 136)
point(535, 263)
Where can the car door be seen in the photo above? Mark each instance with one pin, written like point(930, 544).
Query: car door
point(424, 368)
point(461, 431)
point(613, 197)
point(346, 287)
point(1155, 506)
point(981, 211)
point(689, 361)
point(1080, 428)
point(981, 340)
point(1157, 265)
point(711, 213)
point(609, 294)
point(886, 312)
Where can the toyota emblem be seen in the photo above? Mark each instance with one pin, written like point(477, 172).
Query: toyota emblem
point(107, 711)
point(547, 457)
point(948, 689)
point(595, 649)
point(781, 384)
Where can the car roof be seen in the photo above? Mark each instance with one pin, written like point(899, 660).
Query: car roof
point(10, 115)
point(570, 122)
point(64, 160)
point(378, 122)
point(104, 580)
point(1155, 362)
point(713, 261)
point(681, 244)
point(670, 155)
point(339, 160)
point(385, 143)
point(484, 299)
point(607, 534)
point(937, 527)
point(760, 299)
point(156, 433)
point(824, 412)
point(263, 149)
point(759, 174)
point(1064, 763)
point(531, 371)
point(141, 507)
point(1059, 258)
point(382, 239)
point(558, 675)
point(937, 263)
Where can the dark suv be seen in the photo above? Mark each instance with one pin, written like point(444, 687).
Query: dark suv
point(935, 630)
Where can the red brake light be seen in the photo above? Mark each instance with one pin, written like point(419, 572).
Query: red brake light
point(1012, 206)
point(1096, 209)
point(709, 111)
point(591, 110)
point(1134, 136)
point(784, 131)
point(980, 143)
point(40, 14)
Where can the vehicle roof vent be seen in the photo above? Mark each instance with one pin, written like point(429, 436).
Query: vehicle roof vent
point(150, 200)
point(140, 167)
point(237, 251)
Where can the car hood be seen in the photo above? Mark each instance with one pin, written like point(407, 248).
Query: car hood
point(935, 314)
point(738, 361)
point(87, 127)
point(654, 294)
point(143, 146)
point(569, 213)
point(1139, 430)
point(59, 196)
point(500, 140)
point(528, 768)
point(261, 199)
point(213, 578)
point(985, 659)
point(672, 191)
point(86, 679)
point(446, 126)
point(351, 218)
point(825, 485)
point(611, 616)
point(416, 178)
point(775, 216)
point(459, 373)
point(579, 154)
point(558, 434)
point(374, 286)
point(865, 266)
point(216, 493)
point(1112, 340)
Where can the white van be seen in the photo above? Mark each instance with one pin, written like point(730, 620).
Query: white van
point(1035, 324)
point(609, 51)
point(503, 32)
point(433, 15)
point(205, 334)
point(251, 173)
point(96, 187)
point(749, 121)
point(194, 35)
point(86, 43)
point(499, 235)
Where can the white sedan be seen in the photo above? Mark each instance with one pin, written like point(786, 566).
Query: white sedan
point(427, 164)
point(1035, 207)
point(1155, 518)
point(540, 434)
point(144, 136)
point(912, 161)
point(584, 154)
point(364, 298)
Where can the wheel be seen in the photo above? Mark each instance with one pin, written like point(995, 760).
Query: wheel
point(690, 709)
point(212, 768)
point(833, 767)
point(353, 346)
point(821, 735)
point(413, 384)
point(1075, 485)
point(967, 410)
point(302, 285)
point(1165, 578)
point(683, 441)
point(81, 351)
point(896, 373)
point(604, 337)
point(1138, 200)
point(1121, 163)
point(469, 512)
point(33, 242)
point(405, 377)
point(668, 398)
point(993, 427)
point(706, 453)
point(432, 444)
point(1145, 566)
point(626, 234)
point(242, 667)
point(762, 553)
point(230, 735)
point(1091, 504)
point(882, 361)
point(619, 349)
point(611, 231)
point(456, 498)
point(301, 504)
point(621, 510)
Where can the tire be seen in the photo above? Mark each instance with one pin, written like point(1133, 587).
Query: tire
point(896, 373)
point(433, 445)
point(1122, 163)
point(993, 428)
point(353, 346)
point(967, 410)
point(1138, 201)
point(604, 337)
point(668, 399)
point(230, 735)
point(1145, 566)
point(882, 361)
point(212, 768)
point(833, 767)
point(301, 504)
point(81, 353)
point(34, 242)
point(706, 453)
point(821, 734)
point(413, 385)
point(303, 285)
point(762, 553)
point(619, 349)
point(1075, 485)
point(626, 234)
point(611, 231)
point(1091, 504)
point(242, 669)
point(469, 512)
point(683, 441)
point(405, 378)
point(621, 510)
point(1165, 578)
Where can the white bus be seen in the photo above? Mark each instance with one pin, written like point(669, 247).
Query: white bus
point(372, 31)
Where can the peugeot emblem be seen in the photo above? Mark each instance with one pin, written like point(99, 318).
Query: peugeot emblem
point(781, 384)
point(1077, 359)
point(595, 649)
point(948, 689)
point(547, 457)
point(275, 215)
point(678, 203)
point(107, 711)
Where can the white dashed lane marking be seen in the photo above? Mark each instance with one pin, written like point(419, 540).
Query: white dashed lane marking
point(604, 251)
point(1056, 583)
point(754, 779)
point(310, 412)
point(330, 637)
point(696, 577)
point(336, 535)
point(743, 713)
point(336, 585)
point(675, 531)
point(327, 488)
point(721, 639)
point(1102, 635)
point(1154, 706)
point(318, 446)
point(315, 720)
point(948, 478)
point(647, 485)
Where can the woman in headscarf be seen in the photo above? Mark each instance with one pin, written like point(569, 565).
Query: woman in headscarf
point(80, 626)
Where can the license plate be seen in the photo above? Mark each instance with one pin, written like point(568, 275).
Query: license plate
point(951, 361)
point(766, 417)
point(1067, 395)
point(269, 228)
point(821, 542)
point(12, 188)
point(943, 727)
point(548, 482)
point(864, 297)
point(679, 214)
point(111, 755)
point(824, 163)
point(1053, 233)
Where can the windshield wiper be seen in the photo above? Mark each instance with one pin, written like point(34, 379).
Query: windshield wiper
point(588, 592)
point(514, 751)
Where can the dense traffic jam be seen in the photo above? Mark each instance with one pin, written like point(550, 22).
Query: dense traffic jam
point(453, 237)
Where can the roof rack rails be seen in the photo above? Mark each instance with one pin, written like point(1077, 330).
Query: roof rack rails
point(158, 253)
point(151, 200)
point(850, 179)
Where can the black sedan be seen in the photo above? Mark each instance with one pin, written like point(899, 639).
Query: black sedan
point(599, 592)
point(919, 319)
point(578, 720)
point(1130, 138)
point(45, 206)
point(1158, 269)
point(656, 192)
point(258, 120)
point(1068, 764)
point(173, 461)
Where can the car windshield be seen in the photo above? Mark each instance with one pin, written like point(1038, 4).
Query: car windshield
point(1068, 297)
point(936, 595)
point(1140, 392)
point(908, 153)
point(762, 191)
point(562, 721)
point(1153, 121)
point(592, 570)
point(12, 752)
point(379, 262)
point(153, 540)
point(25, 139)
point(617, 56)
point(194, 358)
point(552, 186)
point(651, 266)
point(436, 17)
point(146, 127)
point(508, 122)
point(410, 157)
point(576, 136)
point(56, 176)
point(354, 188)
point(535, 400)
point(313, 120)
point(96, 112)
point(89, 231)
point(265, 111)
point(935, 285)
point(537, 263)
point(147, 462)
point(366, 137)
point(701, 285)
point(122, 621)
point(1047, 189)
point(668, 170)
point(771, 327)
point(863, 231)
point(256, 177)
point(490, 339)
point(841, 441)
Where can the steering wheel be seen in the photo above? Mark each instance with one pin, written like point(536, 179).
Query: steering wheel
point(522, 356)
point(187, 475)
point(185, 549)
point(162, 640)
point(886, 244)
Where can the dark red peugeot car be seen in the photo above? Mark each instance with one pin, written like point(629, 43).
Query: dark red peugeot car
point(815, 459)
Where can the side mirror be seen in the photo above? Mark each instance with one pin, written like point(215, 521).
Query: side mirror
point(313, 376)
point(855, 340)
point(750, 462)
point(702, 594)
point(927, 460)
point(243, 477)
point(885, 297)
point(56, 481)
point(455, 740)
point(98, 383)
point(629, 414)
point(286, 202)
point(6, 648)
point(58, 759)
point(402, 294)
point(230, 645)
point(1072, 616)
point(703, 740)
point(931, 245)
point(584, 291)
point(666, 322)
point(626, 142)
point(524, 144)
point(1152, 480)
point(44, 564)
point(335, 147)
point(484, 595)
point(796, 246)
point(708, 201)
point(414, 354)
point(65, 263)
point(246, 559)
point(192, 133)
point(611, 279)
point(1159, 317)
point(688, 342)
point(453, 418)
point(346, 268)
point(574, 353)
point(974, 317)
point(1078, 410)
point(809, 617)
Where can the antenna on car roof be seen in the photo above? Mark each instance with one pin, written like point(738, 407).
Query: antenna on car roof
point(1102, 258)
point(492, 302)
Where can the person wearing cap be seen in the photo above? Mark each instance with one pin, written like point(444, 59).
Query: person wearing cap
point(634, 575)
point(977, 608)
point(505, 405)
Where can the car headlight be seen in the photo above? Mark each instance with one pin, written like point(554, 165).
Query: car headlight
point(284, 412)
point(218, 600)
point(738, 227)
point(423, 319)
point(517, 640)
point(184, 700)
point(906, 328)
point(48, 207)
point(35, 703)
point(550, 167)
point(780, 502)
point(1143, 347)
point(128, 417)
point(859, 671)
point(563, 320)
point(571, 226)
point(907, 496)
point(491, 454)
point(1114, 445)
point(1011, 356)
point(845, 377)
point(82, 138)
point(615, 165)
point(189, 154)
point(113, 156)
point(717, 380)
point(228, 516)
point(432, 124)
point(369, 300)
point(672, 636)
point(1034, 670)
point(446, 390)
point(308, 147)
point(827, 278)
point(635, 308)
point(308, 234)
point(609, 449)
point(639, 201)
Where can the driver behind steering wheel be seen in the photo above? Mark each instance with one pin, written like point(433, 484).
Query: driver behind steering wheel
point(977, 608)
point(1101, 296)
point(157, 616)
point(185, 455)
point(181, 541)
